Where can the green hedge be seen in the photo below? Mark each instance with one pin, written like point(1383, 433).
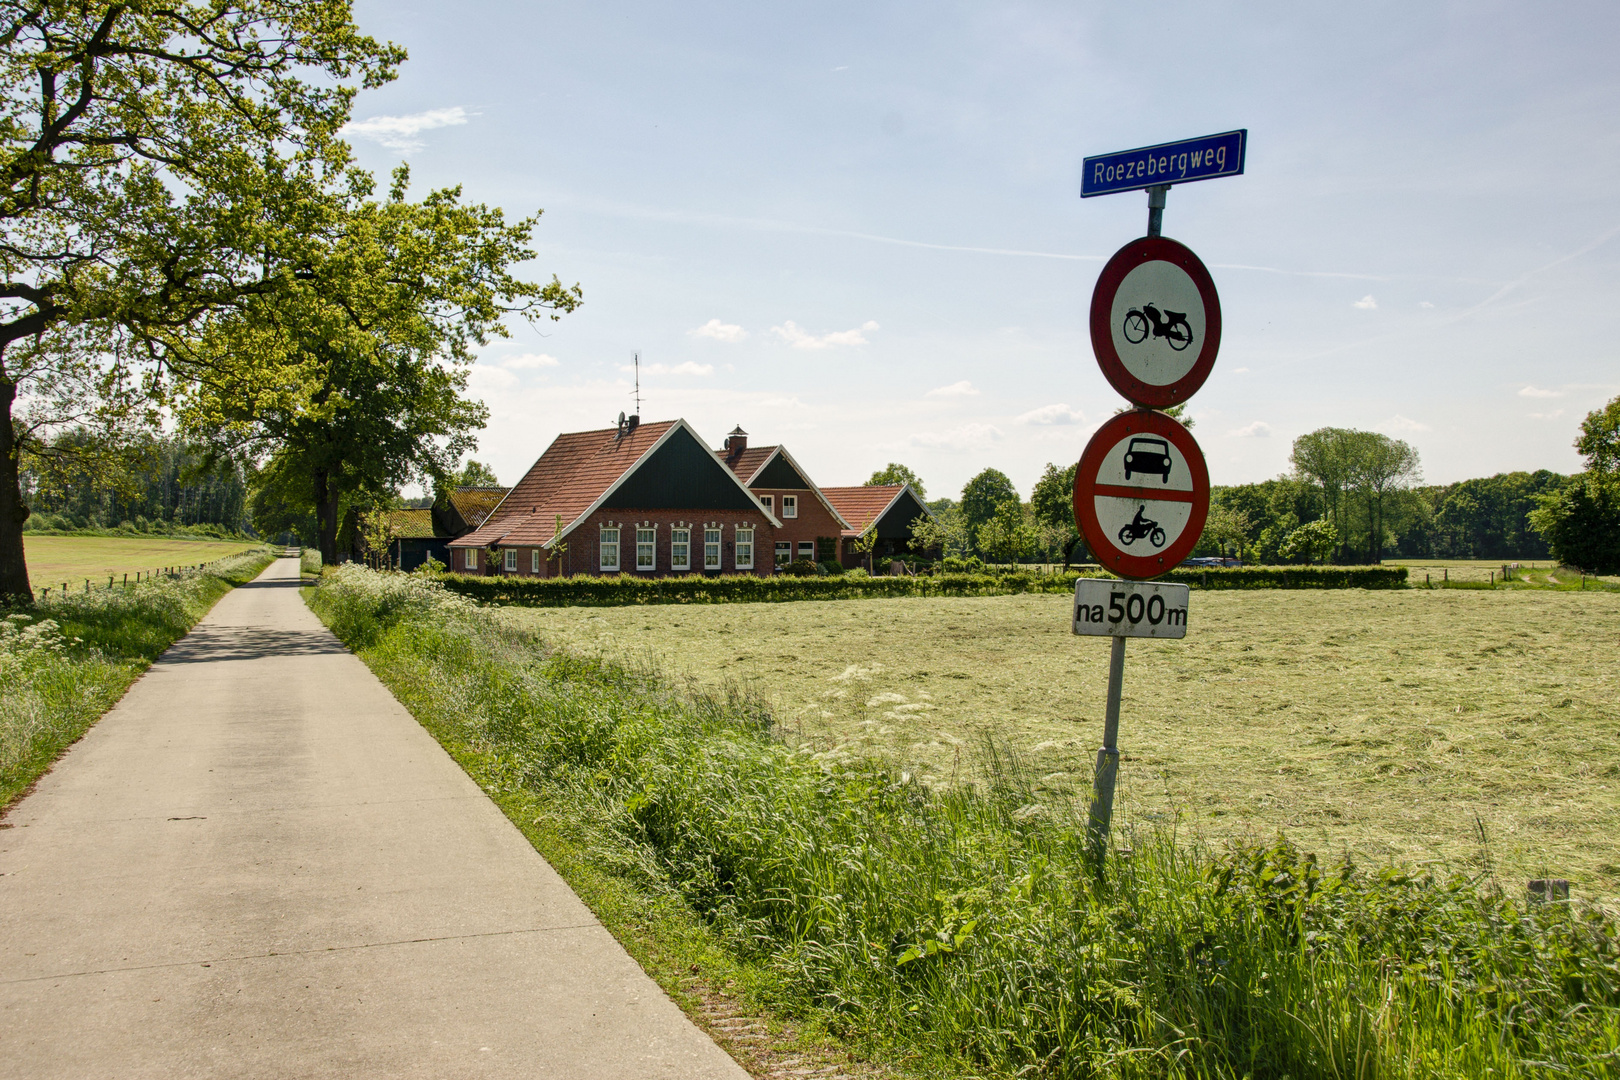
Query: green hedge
point(623, 590)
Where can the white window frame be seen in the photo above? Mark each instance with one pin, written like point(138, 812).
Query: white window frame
point(784, 547)
point(790, 506)
point(745, 547)
point(534, 560)
point(770, 503)
point(680, 549)
point(712, 556)
point(804, 546)
point(472, 559)
point(602, 549)
point(647, 548)
point(511, 560)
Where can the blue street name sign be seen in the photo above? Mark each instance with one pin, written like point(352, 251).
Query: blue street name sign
point(1168, 163)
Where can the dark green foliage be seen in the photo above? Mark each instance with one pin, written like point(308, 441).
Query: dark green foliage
point(1581, 522)
point(802, 568)
point(967, 929)
point(158, 485)
point(619, 591)
point(982, 495)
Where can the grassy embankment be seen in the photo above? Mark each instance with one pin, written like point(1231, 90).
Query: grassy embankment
point(961, 930)
point(53, 560)
point(67, 660)
point(1380, 723)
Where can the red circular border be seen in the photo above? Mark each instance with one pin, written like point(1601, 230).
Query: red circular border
point(1103, 547)
point(1126, 259)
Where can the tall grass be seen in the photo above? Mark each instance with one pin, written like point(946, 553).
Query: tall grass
point(965, 931)
point(66, 660)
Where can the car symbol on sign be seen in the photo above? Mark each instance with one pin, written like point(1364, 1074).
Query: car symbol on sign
point(1147, 456)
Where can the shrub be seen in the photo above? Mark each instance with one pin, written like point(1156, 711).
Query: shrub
point(831, 567)
point(585, 590)
point(802, 568)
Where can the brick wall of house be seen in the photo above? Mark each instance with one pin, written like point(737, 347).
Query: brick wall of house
point(814, 520)
point(583, 551)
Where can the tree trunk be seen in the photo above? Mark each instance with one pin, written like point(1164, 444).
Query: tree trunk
point(14, 586)
point(326, 512)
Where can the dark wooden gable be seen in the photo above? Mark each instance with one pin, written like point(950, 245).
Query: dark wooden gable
point(896, 523)
point(779, 474)
point(680, 475)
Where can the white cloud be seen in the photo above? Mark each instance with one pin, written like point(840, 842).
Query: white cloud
point(1240, 371)
point(1052, 414)
point(966, 437)
point(485, 377)
point(1555, 414)
point(1403, 424)
point(399, 132)
point(956, 389)
point(1424, 304)
point(1257, 430)
point(799, 338)
point(1366, 303)
point(719, 331)
point(1531, 391)
point(688, 368)
point(530, 360)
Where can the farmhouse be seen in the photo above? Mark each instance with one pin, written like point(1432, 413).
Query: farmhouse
point(416, 535)
point(637, 498)
point(811, 526)
point(885, 509)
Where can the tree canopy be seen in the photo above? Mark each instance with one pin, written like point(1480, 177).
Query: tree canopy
point(148, 157)
point(356, 367)
point(895, 473)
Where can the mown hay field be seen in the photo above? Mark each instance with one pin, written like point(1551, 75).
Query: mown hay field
point(55, 559)
point(1393, 725)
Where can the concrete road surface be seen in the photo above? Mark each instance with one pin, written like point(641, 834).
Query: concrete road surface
point(258, 865)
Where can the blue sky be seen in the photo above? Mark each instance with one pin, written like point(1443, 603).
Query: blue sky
point(856, 229)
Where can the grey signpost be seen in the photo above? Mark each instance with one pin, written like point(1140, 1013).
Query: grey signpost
point(1135, 546)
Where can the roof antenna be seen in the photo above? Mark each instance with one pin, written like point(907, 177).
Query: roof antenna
point(638, 383)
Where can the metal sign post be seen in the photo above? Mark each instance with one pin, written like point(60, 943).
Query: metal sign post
point(1155, 329)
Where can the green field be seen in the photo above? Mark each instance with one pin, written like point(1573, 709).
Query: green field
point(55, 559)
point(1378, 722)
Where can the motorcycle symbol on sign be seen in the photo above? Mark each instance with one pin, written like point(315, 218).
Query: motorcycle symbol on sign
point(1142, 527)
point(1170, 325)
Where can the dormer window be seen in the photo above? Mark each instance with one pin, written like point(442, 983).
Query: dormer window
point(770, 503)
point(790, 506)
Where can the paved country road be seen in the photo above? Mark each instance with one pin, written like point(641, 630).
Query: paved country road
point(259, 865)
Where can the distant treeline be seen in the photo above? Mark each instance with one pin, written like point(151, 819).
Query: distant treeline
point(1486, 518)
point(161, 486)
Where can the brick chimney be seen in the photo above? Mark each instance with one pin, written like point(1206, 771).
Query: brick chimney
point(736, 443)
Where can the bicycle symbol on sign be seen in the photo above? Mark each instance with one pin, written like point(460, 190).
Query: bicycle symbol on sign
point(1170, 325)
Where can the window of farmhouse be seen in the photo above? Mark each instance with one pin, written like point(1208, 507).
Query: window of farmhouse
point(745, 549)
point(784, 552)
point(610, 549)
point(680, 549)
point(711, 549)
point(472, 558)
point(646, 549)
point(790, 506)
point(511, 560)
point(807, 550)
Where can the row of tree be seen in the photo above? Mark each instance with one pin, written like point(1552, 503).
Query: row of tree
point(163, 486)
point(1350, 497)
point(188, 246)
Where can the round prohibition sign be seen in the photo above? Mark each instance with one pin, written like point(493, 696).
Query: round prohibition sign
point(1141, 494)
point(1155, 322)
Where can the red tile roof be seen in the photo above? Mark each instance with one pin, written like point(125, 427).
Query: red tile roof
point(572, 474)
point(860, 506)
point(747, 463)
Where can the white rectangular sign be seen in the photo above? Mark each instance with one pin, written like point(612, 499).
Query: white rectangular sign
point(1107, 608)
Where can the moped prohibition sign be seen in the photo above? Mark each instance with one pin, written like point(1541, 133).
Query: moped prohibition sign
point(1155, 322)
point(1141, 494)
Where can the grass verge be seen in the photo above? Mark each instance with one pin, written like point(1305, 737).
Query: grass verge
point(67, 660)
point(966, 931)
